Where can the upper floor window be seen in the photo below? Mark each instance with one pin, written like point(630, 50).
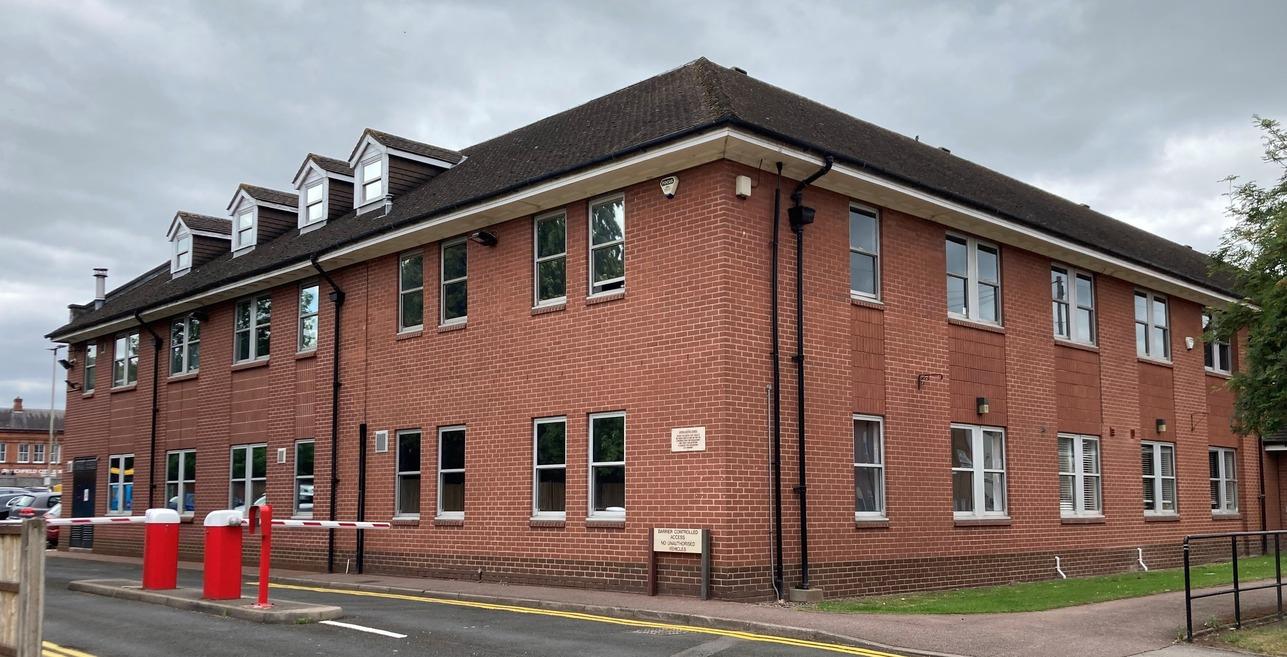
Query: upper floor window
point(38, 453)
point(182, 253)
point(125, 360)
point(864, 252)
point(91, 365)
point(1158, 464)
point(411, 291)
point(243, 229)
point(455, 284)
point(252, 328)
point(973, 279)
point(371, 180)
point(550, 266)
point(978, 471)
point(1219, 357)
point(869, 467)
point(607, 245)
point(4, 453)
point(1224, 479)
point(314, 202)
point(308, 317)
point(1072, 303)
point(1152, 326)
point(185, 345)
point(1080, 493)
point(24, 453)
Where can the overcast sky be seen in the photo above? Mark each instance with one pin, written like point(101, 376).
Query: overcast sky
point(115, 115)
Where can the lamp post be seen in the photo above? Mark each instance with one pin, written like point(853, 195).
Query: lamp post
point(53, 388)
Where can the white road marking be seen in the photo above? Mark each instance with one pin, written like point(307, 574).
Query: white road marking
point(709, 648)
point(363, 628)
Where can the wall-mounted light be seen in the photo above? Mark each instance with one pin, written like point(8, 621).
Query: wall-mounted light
point(982, 404)
point(1161, 425)
point(66, 363)
point(1189, 342)
point(484, 237)
point(72, 385)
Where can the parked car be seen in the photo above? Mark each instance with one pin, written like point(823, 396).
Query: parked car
point(52, 533)
point(33, 505)
point(6, 504)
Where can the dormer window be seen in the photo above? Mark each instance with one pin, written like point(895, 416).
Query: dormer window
point(182, 253)
point(386, 165)
point(324, 186)
point(314, 203)
point(243, 235)
point(195, 239)
point(372, 180)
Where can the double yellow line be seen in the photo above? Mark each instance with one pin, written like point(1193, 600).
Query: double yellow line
point(51, 649)
point(744, 636)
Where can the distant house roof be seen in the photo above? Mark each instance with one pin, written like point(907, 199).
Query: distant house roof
point(33, 420)
point(694, 98)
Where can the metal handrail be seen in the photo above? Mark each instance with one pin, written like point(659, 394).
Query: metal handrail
point(1238, 589)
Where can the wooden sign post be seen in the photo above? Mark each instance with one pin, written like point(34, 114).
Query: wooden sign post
point(680, 541)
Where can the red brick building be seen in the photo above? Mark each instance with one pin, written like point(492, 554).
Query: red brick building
point(24, 443)
point(494, 348)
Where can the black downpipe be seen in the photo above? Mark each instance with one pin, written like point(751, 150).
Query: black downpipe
point(800, 217)
point(361, 497)
point(1260, 459)
point(156, 409)
point(778, 575)
point(337, 298)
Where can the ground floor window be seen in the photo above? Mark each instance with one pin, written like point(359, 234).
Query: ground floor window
point(1158, 464)
point(120, 483)
point(304, 478)
point(407, 493)
point(549, 481)
point(608, 465)
point(978, 471)
point(249, 476)
point(451, 472)
point(181, 481)
point(1224, 479)
point(869, 467)
point(1080, 493)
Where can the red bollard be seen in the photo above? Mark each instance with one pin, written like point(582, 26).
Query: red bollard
point(222, 577)
point(161, 549)
point(262, 515)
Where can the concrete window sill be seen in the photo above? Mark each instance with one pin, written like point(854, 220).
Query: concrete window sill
point(305, 355)
point(982, 326)
point(1082, 520)
point(448, 522)
point(550, 308)
point(605, 297)
point(552, 523)
point(187, 376)
point(1060, 342)
point(454, 326)
point(129, 388)
point(865, 302)
point(250, 364)
point(1155, 361)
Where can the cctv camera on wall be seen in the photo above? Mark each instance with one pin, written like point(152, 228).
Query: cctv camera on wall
point(668, 186)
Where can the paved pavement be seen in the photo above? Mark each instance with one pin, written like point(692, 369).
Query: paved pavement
point(1120, 628)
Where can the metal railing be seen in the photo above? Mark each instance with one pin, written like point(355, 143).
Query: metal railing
point(1238, 589)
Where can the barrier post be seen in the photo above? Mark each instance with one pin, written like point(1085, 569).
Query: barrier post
point(262, 515)
point(222, 568)
point(161, 549)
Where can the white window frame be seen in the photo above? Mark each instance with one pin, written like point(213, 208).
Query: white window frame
point(24, 453)
point(124, 343)
point(239, 242)
point(1223, 503)
point(91, 366)
point(118, 461)
point(972, 280)
point(37, 452)
point(56, 453)
point(875, 215)
point(299, 323)
point(979, 471)
point(537, 467)
point(403, 292)
point(1081, 478)
point(399, 474)
point(1157, 478)
point(604, 515)
point(4, 452)
point(181, 484)
point(252, 328)
point(361, 181)
point(1149, 325)
point(177, 260)
point(878, 466)
point(1211, 351)
point(537, 259)
point(185, 347)
point(248, 481)
point(1072, 302)
point(443, 282)
point(449, 515)
point(592, 247)
point(299, 478)
point(306, 206)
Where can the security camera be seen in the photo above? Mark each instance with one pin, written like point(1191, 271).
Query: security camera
point(668, 186)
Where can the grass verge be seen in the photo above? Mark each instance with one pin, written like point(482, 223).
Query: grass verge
point(1263, 639)
point(1053, 594)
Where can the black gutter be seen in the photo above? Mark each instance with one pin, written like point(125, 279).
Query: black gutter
point(800, 217)
point(778, 574)
point(337, 297)
point(156, 373)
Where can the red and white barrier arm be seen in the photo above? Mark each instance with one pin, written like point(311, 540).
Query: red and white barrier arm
point(327, 524)
point(108, 520)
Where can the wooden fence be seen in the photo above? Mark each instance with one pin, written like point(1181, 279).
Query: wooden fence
point(22, 588)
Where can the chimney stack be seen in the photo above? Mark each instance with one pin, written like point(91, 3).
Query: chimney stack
point(17, 404)
point(100, 286)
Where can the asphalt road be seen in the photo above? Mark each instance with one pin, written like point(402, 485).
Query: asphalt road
point(107, 627)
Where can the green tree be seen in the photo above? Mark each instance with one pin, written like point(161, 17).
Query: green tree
point(1253, 256)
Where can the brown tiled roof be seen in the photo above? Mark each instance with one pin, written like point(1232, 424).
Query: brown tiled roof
point(206, 223)
point(412, 146)
point(270, 195)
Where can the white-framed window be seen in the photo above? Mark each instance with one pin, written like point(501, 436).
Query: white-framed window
point(56, 453)
point(314, 202)
point(181, 481)
point(549, 463)
point(371, 180)
point(407, 492)
point(864, 252)
point(125, 360)
point(1158, 464)
point(182, 259)
point(185, 345)
point(549, 253)
point(451, 472)
point(1080, 491)
point(1072, 295)
point(1217, 354)
point(91, 365)
point(38, 453)
point(248, 476)
point(608, 465)
point(252, 328)
point(243, 229)
point(1223, 462)
point(607, 244)
point(4, 452)
point(973, 279)
point(411, 291)
point(24, 453)
point(304, 450)
point(1152, 326)
point(978, 471)
point(454, 281)
point(120, 484)
point(308, 306)
point(869, 466)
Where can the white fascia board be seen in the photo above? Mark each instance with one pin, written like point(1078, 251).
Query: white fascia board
point(406, 155)
point(310, 166)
